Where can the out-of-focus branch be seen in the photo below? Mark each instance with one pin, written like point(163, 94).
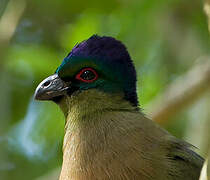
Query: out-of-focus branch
point(9, 22)
point(182, 92)
point(204, 171)
point(207, 11)
point(208, 168)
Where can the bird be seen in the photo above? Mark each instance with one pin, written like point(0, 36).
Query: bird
point(107, 136)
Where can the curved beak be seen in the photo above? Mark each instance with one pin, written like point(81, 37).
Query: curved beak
point(51, 87)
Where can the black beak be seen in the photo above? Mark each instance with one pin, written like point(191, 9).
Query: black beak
point(50, 88)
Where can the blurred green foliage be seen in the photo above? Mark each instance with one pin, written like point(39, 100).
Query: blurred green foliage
point(164, 39)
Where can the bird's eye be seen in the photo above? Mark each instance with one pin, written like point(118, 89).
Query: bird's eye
point(87, 75)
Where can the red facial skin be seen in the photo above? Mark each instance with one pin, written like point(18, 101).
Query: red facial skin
point(78, 76)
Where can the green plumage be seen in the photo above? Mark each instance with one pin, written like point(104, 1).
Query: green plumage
point(110, 79)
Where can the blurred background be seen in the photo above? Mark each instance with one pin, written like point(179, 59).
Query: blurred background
point(167, 39)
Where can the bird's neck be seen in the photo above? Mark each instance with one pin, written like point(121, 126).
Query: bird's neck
point(94, 123)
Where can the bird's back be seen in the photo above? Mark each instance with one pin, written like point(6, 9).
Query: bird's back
point(167, 157)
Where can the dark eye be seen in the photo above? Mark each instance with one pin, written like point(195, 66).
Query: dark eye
point(87, 75)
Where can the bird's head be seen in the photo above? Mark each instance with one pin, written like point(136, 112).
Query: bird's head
point(97, 66)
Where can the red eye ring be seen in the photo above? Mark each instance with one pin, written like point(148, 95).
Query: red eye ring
point(79, 75)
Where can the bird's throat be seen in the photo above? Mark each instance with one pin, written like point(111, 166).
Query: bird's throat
point(90, 134)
